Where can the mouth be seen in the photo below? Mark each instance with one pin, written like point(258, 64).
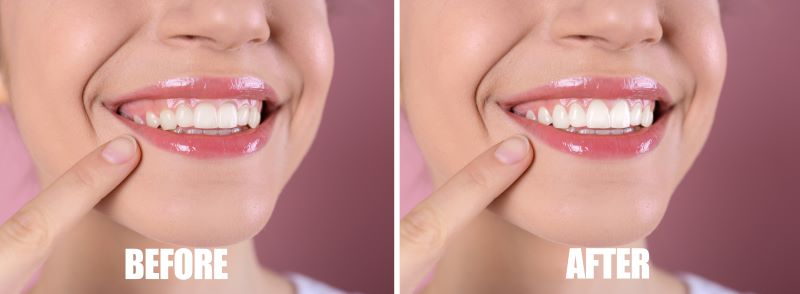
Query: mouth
point(200, 116)
point(595, 117)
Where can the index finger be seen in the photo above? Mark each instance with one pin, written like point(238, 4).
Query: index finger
point(425, 230)
point(26, 237)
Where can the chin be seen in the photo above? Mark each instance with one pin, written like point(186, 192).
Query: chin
point(592, 203)
point(183, 201)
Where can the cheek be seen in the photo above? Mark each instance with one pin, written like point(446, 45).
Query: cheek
point(449, 61)
point(49, 65)
point(309, 59)
point(705, 64)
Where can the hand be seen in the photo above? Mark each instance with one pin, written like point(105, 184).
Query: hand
point(425, 231)
point(26, 238)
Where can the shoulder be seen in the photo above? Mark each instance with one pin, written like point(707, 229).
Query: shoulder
point(306, 285)
point(699, 285)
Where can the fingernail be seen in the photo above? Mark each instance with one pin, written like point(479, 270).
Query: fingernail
point(120, 150)
point(512, 150)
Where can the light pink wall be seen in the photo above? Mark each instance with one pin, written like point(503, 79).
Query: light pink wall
point(736, 217)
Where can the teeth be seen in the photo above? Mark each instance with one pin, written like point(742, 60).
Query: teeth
point(624, 117)
point(636, 114)
point(597, 116)
point(601, 132)
point(254, 118)
point(620, 115)
point(647, 117)
point(205, 116)
point(168, 120)
point(544, 116)
point(577, 118)
point(227, 116)
point(152, 120)
point(529, 115)
point(215, 118)
point(560, 119)
point(242, 115)
point(215, 132)
point(185, 116)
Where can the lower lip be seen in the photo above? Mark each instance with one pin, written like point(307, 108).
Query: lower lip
point(206, 147)
point(598, 146)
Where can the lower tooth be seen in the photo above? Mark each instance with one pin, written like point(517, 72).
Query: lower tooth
point(208, 132)
point(600, 131)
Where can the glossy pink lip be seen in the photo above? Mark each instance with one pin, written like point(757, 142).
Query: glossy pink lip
point(204, 146)
point(596, 146)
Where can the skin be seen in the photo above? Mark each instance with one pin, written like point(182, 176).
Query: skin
point(78, 58)
point(452, 73)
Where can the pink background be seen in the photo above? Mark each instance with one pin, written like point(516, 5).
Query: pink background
point(735, 219)
point(334, 220)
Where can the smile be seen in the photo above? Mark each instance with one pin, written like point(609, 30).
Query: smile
point(201, 117)
point(595, 117)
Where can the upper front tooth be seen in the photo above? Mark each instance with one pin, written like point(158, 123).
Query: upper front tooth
point(151, 119)
point(184, 116)
point(205, 116)
point(544, 116)
point(597, 116)
point(636, 114)
point(227, 116)
point(647, 117)
point(242, 119)
point(560, 120)
point(529, 115)
point(577, 117)
point(620, 115)
point(168, 121)
point(254, 118)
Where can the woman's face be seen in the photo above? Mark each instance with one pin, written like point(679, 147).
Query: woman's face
point(617, 97)
point(251, 76)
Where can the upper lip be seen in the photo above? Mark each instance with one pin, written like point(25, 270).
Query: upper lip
point(198, 87)
point(637, 87)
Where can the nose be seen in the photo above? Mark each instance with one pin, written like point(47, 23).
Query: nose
point(609, 24)
point(216, 24)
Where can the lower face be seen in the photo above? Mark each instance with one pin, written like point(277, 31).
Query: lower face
point(614, 130)
point(221, 131)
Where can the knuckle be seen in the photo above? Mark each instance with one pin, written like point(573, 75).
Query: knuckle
point(85, 177)
point(28, 228)
point(477, 179)
point(423, 228)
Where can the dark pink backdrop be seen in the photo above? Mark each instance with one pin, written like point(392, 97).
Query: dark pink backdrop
point(334, 219)
point(735, 219)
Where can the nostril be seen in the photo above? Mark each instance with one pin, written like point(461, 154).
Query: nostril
point(257, 41)
point(192, 38)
